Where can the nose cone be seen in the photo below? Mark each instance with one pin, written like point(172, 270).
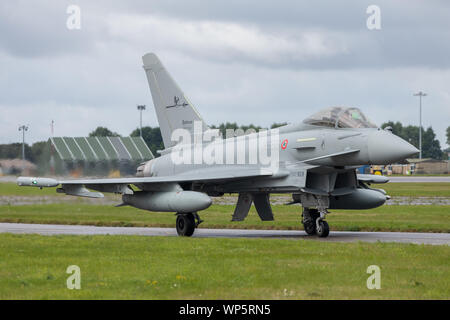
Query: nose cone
point(386, 148)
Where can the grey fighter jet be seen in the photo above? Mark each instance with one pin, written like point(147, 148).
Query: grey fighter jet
point(316, 162)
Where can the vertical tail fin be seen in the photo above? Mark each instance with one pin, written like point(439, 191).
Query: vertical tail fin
point(173, 109)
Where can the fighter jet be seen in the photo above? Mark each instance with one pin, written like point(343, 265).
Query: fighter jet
point(315, 160)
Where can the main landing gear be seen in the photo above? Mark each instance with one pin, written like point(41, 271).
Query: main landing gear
point(314, 223)
point(186, 223)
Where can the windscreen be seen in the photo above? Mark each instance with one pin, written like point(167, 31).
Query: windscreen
point(340, 117)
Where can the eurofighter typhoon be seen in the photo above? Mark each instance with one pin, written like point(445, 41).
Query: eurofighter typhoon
point(314, 160)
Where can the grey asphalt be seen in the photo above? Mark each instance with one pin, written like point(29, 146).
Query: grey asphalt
point(341, 236)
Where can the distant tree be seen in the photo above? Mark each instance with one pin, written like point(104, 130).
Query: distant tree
point(431, 148)
point(448, 135)
point(103, 132)
point(277, 125)
point(224, 126)
point(38, 150)
point(14, 151)
point(152, 137)
point(234, 126)
point(397, 127)
point(430, 145)
point(411, 134)
point(250, 126)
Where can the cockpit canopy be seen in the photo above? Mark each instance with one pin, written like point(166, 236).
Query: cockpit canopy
point(340, 117)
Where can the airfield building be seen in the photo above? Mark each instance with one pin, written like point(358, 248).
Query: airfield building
point(94, 156)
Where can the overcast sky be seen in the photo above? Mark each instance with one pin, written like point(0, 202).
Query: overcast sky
point(262, 62)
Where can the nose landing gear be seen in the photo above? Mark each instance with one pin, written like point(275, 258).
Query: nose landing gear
point(309, 220)
point(314, 223)
point(322, 228)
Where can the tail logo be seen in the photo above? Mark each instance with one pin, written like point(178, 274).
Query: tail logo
point(176, 104)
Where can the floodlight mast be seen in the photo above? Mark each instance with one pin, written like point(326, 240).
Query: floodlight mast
point(140, 108)
point(23, 128)
point(420, 94)
point(52, 151)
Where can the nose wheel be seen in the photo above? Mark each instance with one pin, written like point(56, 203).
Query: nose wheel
point(314, 223)
point(322, 228)
point(309, 220)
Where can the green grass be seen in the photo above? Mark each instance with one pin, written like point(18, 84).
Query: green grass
point(386, 218)
point(431, 189)
point(134, 267)
point(10, 189)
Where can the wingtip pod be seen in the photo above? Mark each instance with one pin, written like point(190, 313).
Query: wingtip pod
point(37, 182)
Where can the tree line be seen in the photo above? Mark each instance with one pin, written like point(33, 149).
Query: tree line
point(152, 136)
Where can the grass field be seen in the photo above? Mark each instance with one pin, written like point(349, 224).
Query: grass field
point(387, 218)
point(419, 218)
point(133, 267)
point(9, 189)
point(430, 189)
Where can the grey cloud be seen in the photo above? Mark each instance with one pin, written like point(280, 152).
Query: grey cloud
point(31, 30)
point(98, 69)
point(414, 33)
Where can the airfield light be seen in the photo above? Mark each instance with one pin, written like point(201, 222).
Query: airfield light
point(420, 94)
point(140, 108)
point(23, 128)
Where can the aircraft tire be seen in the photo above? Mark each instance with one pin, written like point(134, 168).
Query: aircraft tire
point(309, 220)
point(323, 229)
point(310, 228)
point(185, 224)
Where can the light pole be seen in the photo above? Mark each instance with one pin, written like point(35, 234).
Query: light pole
point(52, 158)
point(140, 108)
point(420, 94)
point(23, 128)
